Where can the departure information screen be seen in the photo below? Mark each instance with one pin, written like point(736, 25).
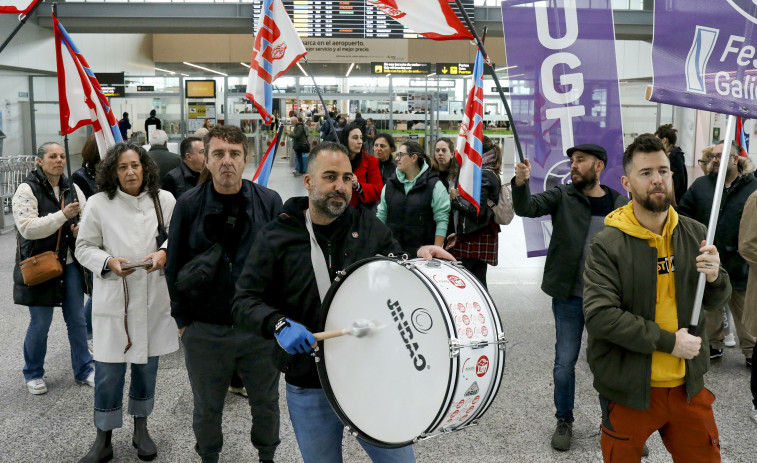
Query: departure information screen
point(347, 19)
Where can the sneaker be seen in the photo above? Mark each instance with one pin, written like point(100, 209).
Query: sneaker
point(37, 386)
point(729, 340)
point(715, 353)
point(563, 434)
point(91, 347)
point(645, 451)
point(238, 390)
point(749, 363)
point(754, 413)
point(90, 381)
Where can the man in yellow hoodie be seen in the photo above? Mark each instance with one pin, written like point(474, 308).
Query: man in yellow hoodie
point(640, 280)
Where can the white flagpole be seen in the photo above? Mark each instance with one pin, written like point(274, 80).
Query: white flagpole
point(714, 214)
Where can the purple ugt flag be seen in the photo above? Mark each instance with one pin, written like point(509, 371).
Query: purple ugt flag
point(564, 84)
point(703, 55)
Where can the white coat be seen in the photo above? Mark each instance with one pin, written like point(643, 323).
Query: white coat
point(126, 226)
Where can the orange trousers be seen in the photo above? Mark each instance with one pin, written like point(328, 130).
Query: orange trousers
point(687, 427)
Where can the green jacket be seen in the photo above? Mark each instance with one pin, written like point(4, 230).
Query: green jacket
point(619, 309)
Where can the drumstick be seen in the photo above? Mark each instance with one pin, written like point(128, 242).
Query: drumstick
point(359, 329)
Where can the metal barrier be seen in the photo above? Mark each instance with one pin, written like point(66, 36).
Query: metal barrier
point(13, 171)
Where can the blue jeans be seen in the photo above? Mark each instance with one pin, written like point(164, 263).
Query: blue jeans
point(109, 391)
point(35, 343)
point(569, 327)
point(300, 162)
point(319, 431)
point(88, 316)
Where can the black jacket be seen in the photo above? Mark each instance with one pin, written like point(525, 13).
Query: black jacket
point(180, 180)
point(410, 216)
point(278, 278)
point(84, 178)
point(697, 204)
point(165, 159)
point(387, 169)
point(571, 217)
point(468, 221)
point(680, 175)
point(49, 293)
point(190, 234)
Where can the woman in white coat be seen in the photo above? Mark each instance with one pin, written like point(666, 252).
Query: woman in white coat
point(131, 315)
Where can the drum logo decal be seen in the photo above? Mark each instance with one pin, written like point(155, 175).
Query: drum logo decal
point(472, 390)
point(457, 281)
point(482, 366)
point(422, 321)
point(419, 361)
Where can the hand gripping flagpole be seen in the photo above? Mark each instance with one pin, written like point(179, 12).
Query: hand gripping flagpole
point(717, 197)
point(22, 18)
point(488, 67)
point(318, 90)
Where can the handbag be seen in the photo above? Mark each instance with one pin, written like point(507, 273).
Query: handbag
point(162, 233)
point(196, 276)
point(303, 147)
point(503, 209)
point(42, 267)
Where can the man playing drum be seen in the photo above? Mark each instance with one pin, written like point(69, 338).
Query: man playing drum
point(279, 293)
point(648, 369)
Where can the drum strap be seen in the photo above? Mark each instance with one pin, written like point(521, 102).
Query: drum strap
point(320, 269)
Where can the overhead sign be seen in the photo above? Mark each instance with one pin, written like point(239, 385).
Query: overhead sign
point(145, 88)
point(113, 90)
point(400, 68)
point(707, 60)
point(110, 78)
point(454, 69)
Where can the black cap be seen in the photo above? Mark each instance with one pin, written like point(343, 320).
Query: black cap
point(590, 148)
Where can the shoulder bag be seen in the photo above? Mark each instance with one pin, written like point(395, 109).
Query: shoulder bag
point(42, 267)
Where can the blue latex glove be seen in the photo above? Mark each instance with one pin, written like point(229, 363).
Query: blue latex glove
point(294, 338)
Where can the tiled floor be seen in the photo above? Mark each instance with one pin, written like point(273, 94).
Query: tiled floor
point(57, 427)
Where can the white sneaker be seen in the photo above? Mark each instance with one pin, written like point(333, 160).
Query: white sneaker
point(729, 340)
point(91, 347)
point(37, 386)
point(90, 381)
point(238, 390)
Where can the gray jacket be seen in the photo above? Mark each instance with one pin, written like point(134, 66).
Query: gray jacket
point(571, 217)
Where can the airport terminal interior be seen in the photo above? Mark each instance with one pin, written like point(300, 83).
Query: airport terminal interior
point(189, 61)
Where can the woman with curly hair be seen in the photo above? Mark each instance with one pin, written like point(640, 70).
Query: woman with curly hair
point(131, 314)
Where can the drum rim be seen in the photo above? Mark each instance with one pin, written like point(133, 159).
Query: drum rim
point(323, 374)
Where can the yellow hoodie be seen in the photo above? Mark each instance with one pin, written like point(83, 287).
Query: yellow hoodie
point(667, 370)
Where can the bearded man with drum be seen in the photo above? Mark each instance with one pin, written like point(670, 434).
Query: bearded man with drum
point(291, 265)
point(640, 284)
point(578, 210)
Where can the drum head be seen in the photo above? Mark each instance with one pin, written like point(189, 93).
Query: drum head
point(389, 385)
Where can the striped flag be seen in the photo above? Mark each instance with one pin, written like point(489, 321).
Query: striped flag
point(470, 140)
point(81, 99)
point(277, 48)
point(266, 164)
point(17, 6)
point(433, 19)
point(742, 138)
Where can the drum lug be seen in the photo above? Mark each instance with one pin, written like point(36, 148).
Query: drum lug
point(350, 431)
point(339, 275)
point(501, 341)
point(454, 347)
point(433, 263)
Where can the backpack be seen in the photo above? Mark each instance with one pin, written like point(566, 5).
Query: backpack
point(503, 208)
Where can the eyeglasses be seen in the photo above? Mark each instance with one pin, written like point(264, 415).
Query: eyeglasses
point(399, 155)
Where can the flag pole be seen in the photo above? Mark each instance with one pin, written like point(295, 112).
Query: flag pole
point(716, 200)
point(488, 67)
point(68, 158)
point(22, 20)
point(318, 90)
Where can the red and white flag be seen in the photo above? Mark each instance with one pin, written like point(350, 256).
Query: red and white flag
point(81, 99)
point(433, 19)
point(277, 48)
point(470, 140)
point(17, 6)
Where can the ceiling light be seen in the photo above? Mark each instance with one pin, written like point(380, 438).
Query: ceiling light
point(165, 70)
point(505, 68)
point(245, 65)
point(349, 70)
point(185, 75)
point(303, 71)
point(206, 69)
point(431, 75)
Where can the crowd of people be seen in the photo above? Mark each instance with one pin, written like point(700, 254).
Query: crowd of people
point(180, 248)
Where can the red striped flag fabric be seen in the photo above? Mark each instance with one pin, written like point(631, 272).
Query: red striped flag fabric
point(433, 19)
point(17, 6)
point(470, 140)
point(742, 138)
point(81, 99)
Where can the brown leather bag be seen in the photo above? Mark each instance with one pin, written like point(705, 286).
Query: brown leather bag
point(42, 267)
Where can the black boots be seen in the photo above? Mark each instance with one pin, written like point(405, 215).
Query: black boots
point(146, 449)
point(101, 451)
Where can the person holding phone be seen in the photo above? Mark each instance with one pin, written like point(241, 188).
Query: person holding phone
point(122, 240)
